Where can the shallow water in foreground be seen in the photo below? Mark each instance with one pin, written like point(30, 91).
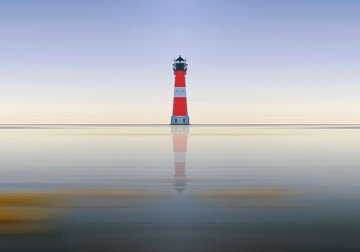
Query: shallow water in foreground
point(179, 188)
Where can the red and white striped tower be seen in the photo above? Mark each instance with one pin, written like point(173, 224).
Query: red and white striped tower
point(180, 114)
point(179, 134)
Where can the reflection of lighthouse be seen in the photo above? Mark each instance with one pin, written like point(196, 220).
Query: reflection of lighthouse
point(179, 134)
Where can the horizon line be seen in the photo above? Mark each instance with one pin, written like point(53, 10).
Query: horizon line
point(164, 124)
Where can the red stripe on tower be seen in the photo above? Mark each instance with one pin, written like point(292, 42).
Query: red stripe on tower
point(180, 113)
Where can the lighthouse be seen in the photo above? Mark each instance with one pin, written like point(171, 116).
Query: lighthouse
point(180, 113)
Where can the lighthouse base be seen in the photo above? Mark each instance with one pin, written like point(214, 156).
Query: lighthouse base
point(176, 120)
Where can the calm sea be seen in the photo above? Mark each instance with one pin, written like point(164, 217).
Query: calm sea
point(179, 188)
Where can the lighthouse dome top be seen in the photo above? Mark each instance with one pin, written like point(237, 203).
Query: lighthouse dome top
point(180, 58)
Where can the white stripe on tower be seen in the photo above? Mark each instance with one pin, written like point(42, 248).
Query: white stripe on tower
point(180, 92)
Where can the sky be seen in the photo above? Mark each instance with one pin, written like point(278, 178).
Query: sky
point(107, 61)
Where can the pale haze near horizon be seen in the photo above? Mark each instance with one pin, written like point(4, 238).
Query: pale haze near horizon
point(110, 61)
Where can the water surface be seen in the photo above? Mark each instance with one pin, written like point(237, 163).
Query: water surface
point(179, 188)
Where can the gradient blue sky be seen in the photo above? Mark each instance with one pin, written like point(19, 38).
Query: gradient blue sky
point(270, 61)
